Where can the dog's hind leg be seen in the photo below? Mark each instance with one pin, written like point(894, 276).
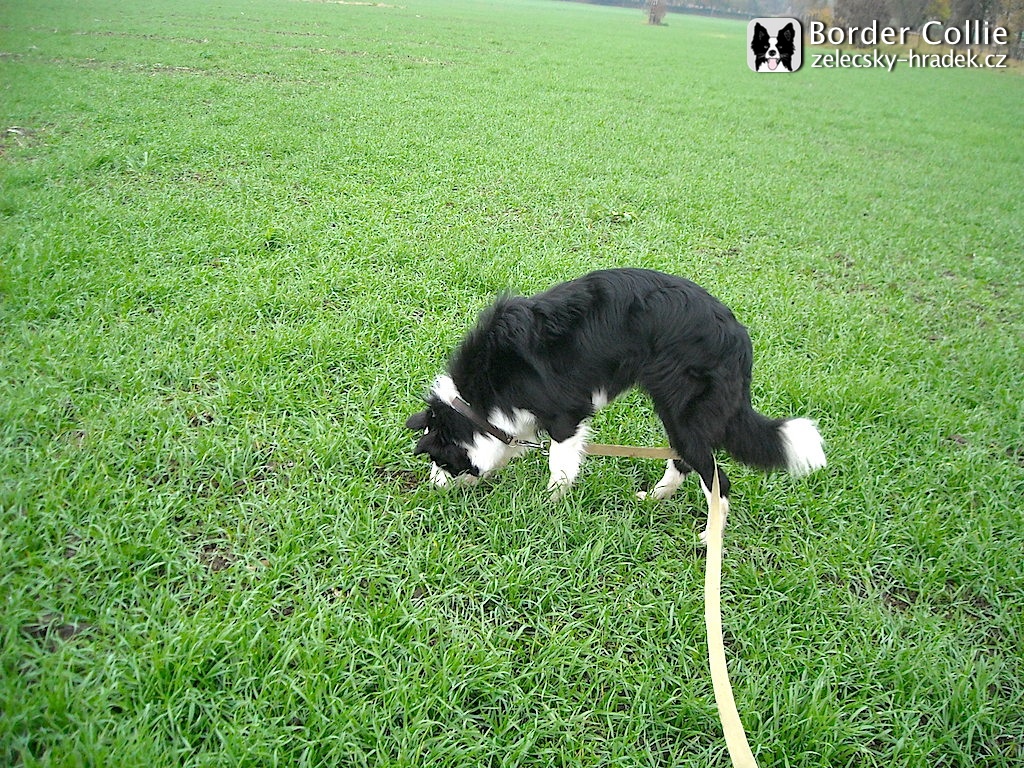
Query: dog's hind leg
point(696, 451)
point(706, 481)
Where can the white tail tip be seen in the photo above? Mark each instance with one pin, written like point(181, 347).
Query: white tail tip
point(803, 446)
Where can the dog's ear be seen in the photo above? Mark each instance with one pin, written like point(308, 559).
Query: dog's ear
point(418, 421)
point(787, 33)
point(422, 445)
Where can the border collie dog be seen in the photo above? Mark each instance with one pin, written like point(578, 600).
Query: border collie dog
point(549, 362)
point(776, 50)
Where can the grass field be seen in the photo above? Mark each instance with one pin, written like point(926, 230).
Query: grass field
point(239, 238)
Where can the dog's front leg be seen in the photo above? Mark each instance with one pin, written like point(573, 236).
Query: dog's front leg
point(668, 484)
point(564, 460)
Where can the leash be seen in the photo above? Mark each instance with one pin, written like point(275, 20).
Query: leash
point(594, 449)
point(732, 726)
point(630, 451)
point(461, 406)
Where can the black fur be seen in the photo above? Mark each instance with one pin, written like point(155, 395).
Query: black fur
point(607, 331)
point(448, 431)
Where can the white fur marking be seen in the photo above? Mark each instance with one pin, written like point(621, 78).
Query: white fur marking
point(599, 399)
point(442, 479)
point(522, 424)
point(803, 447)
point(669, 483)
point(439, 477)
point(487, 453)
point(445, 389)
point(564, 461)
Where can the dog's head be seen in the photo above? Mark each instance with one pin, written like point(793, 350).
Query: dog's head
point(458, 450)
point(447, 439)
point(774, 50)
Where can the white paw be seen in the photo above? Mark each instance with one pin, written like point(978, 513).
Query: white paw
point(557, 491)
point(658, 492)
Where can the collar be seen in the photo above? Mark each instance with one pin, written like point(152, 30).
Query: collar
point(462, 407)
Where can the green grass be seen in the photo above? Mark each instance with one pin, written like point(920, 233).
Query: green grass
point(239, 238)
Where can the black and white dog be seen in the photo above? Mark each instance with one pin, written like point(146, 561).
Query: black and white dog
point(775, 50)
point(549, 362)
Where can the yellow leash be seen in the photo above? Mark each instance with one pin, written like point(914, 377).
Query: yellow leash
point(732, 726)
point(735, 738)
point(630, 451)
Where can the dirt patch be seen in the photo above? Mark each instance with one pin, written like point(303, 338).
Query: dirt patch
point(216, 557)
point(405, 479)
point(18, 137)
point(52, 628)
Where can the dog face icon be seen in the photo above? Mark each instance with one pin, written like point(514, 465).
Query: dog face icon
point(774, 45)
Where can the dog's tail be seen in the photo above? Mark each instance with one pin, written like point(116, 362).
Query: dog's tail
point(794, 445)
